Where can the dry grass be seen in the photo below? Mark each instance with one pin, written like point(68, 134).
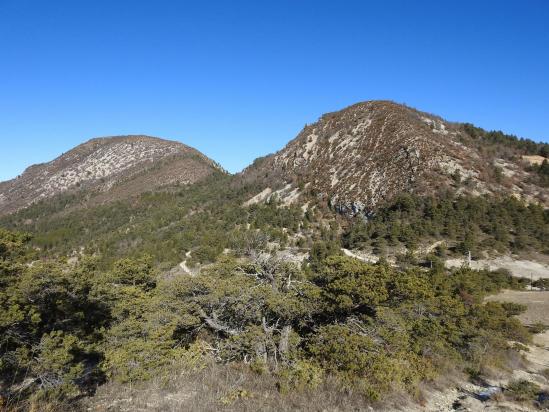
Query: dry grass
point(226, 388)
point(537, 303)
point(35, 406)
point(533, 160)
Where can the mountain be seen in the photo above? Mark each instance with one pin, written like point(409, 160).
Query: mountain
point(112, 197)
point(135, 259)
point(355, 159)
point(110, 168)
point(366, 154)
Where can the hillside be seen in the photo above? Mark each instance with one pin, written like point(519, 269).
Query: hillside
point(418, 179)
point(112, 168)
point(363, 156)
point(135, 274)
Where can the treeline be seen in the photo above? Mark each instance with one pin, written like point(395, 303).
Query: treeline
point(541, 172)
point(497, 138)
point(65, 329)
point(473, 224)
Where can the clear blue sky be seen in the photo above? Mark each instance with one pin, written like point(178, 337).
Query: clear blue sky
point(238, 79)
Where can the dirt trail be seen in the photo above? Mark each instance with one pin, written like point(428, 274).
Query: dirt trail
point(539, 353)
point(365, 257)
point(520, 268)
point(183, 265)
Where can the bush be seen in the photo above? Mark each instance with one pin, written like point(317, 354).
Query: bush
point(299, 375)
point(196, 357)
point(234, 396)
point(59, 365)
point(513, 309)
point(523, 390)
point(538, 327)
point(542, 284)
point(372, 328)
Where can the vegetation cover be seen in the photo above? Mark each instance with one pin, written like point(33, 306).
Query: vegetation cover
point(473, 224)
point(191, 276)
point(68, 327)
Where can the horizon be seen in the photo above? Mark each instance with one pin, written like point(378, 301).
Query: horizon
point(215, 160)
point(238, 81)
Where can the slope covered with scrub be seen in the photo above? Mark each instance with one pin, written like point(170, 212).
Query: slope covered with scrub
point(144, 270)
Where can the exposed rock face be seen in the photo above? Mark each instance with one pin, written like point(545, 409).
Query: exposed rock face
point(369, 152)
point(115, 166)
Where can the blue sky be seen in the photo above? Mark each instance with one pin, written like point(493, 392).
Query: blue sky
point(238, 79)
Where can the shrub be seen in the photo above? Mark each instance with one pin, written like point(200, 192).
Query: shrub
point(538, 327)
point(59, 364)
point(299, 375)
point(513, 309)
point(235, 395)
point(542, 284)
point(523, 390)
point(196, 357)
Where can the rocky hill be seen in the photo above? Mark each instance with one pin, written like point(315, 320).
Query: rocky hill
point(366, 154)
point(111, 167)
point(355, 159)
point(179, 296)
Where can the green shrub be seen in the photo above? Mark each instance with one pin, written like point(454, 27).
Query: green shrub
point(299, 375)
point(538, 327)
point(522, 390)
point(542, 284)
point(196, 357)
point(373, 328)
point(59, 364)
point(234, 396)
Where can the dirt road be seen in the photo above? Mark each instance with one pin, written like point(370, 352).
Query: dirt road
point(520, 268)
